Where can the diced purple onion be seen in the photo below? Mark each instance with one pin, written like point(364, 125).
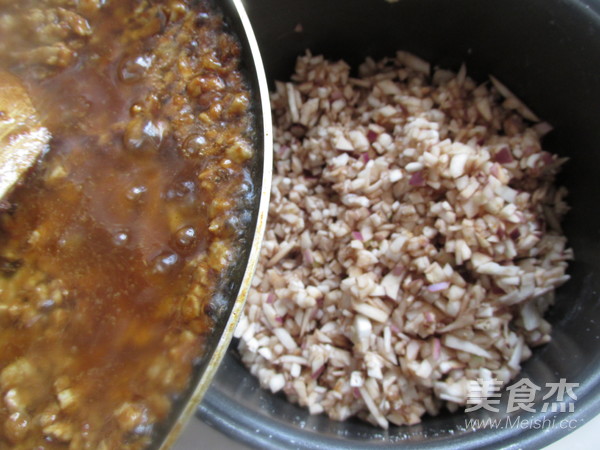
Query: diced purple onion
point(542, 128)
point(372, 136)
point(358, 236)
point(417, 179)
point(317, 373)
point(336, 95)
point(398, 270)
point(270, 298)
point(438, 286)
point(437, 349)
point(308, 258)
point(529, 150)
point(504, 156)
point(547, 158)
point(495, 170)
point(498, 290)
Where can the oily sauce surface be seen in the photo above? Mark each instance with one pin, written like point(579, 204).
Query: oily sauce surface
point(111, 250)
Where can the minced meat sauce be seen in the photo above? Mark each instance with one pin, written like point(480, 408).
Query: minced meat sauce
point(112, 248)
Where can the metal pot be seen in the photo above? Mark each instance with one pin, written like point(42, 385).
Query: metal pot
point(548, 53)
point(233, 290)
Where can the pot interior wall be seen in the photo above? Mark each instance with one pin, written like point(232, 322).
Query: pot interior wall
point(548, 53)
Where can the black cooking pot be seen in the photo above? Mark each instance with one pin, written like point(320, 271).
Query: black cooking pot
point(548, 53)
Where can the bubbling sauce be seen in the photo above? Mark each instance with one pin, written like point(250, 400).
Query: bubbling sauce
point(111, 250)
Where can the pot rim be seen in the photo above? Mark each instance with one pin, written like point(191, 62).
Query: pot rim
point(235, 11)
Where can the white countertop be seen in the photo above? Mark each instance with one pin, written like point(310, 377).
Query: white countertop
point(199, 436)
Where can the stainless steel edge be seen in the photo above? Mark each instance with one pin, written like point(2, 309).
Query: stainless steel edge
point(267, 169)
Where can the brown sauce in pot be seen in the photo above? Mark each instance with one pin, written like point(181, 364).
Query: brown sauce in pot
point(112, 249)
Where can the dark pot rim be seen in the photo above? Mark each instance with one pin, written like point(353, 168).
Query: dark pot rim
point(225, 414)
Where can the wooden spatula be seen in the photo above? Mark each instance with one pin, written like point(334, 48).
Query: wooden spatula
point(22, 137)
